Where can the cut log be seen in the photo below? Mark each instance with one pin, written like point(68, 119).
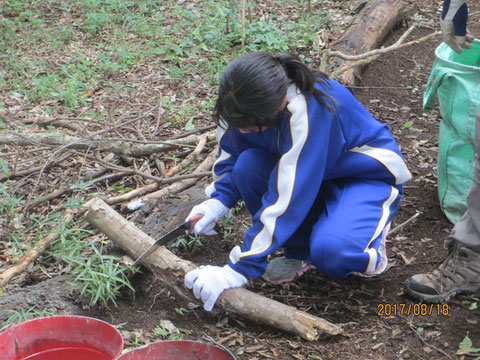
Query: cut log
point(370, 27)
point(171, 270)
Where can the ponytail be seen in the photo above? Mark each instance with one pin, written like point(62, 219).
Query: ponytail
point(304, 78)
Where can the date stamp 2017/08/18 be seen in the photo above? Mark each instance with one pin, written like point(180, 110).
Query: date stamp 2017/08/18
point(392, 309)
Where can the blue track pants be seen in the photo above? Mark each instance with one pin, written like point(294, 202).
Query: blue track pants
point(346, 220)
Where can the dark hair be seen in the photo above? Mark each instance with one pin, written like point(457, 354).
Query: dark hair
point(253, 87)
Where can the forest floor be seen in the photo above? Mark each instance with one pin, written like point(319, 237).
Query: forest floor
point(391, 88)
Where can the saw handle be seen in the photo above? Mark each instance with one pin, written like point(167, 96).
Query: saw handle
point(190, 224)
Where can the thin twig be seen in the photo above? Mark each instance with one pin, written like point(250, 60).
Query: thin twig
point(412, 327)
point(374, 54)
point(202, 129)
point(63, 147)
point(142, 174)
point(93, 179)
point(396, 228)
point(23, 152)
point(189, 159)
point(26, 172)
point(170, 143)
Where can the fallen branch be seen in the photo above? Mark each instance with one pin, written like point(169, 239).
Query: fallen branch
point(63, 124)
point(370, 27)
point(92, 179)
point(117, 146)
point(189, 159)
point(151, 187)
point(171, 270)
point(140, 173)
point(370, 56)
point(191, 132)
point(133, 194)
point(31, 255)
point(32, 170)
point(396, 228)
point(177, 187)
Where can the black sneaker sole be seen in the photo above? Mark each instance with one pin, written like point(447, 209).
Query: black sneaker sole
point(438, 298)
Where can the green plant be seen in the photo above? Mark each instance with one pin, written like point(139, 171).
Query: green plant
point(181, 311)
point(70, 244)
point(18, 316)
point(166, 330)
point(8, 199)
point(121, 189)
point(466, 347)
point(188, 243)
point(4, 166)
point(266, 36)
point(96, 21)
point(99, 277)
point(175, 159)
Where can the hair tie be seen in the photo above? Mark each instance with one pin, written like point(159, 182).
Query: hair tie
point(280, 60)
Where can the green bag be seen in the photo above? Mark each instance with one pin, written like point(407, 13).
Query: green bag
point(455, 78)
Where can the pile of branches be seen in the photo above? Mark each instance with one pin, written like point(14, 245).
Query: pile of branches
point(53, 162)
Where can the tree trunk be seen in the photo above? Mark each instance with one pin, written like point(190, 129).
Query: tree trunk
point(367, 32)
point(171, 269)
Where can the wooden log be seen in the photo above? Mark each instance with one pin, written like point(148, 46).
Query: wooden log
point(370, 27)
point(171, 269)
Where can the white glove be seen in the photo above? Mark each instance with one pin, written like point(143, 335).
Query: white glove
point(209, 281)
point(211, 210)
point(454, 25)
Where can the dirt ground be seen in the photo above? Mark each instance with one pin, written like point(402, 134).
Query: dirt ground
point(391, 88)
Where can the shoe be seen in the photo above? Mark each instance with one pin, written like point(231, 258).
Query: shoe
point(458, 274)
point(281, 270)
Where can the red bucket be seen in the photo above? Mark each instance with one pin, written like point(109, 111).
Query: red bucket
point(177, 350)
point(61, 338)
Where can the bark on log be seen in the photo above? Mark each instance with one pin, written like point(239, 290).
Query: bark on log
point(122, 148)
point(367, 32)
point(171, 269)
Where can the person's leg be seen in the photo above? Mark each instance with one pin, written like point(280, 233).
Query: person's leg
point(460, 271)
point(296, 250)
point(349, 236)
point(250, 175)
point(466, 231)
point(344, 232)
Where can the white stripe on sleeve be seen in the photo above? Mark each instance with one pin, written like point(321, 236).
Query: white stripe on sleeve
point(390, 159)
